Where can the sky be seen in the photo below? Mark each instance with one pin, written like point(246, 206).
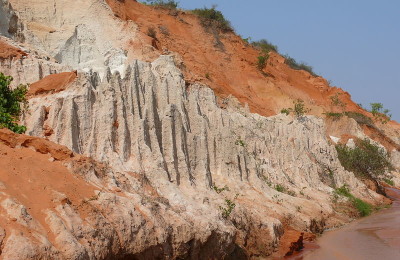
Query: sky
point(353, 43)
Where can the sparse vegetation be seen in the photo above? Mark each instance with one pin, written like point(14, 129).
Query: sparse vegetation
point(299, 109)
point(208, 76)
point(336, 101)
point(283, 189)
point(366, 160)
point(285, 111)
point(360, 118)
point(265, 46)
point(298, 66)
point(380, 114)
point(13, 104)
point(227, 210)
point(262, 61)
point(170, 4)
point(363, 207)
point(240, 142)
point(219, 190)
point(333, 115)
point(212, 18)
point(389, 181)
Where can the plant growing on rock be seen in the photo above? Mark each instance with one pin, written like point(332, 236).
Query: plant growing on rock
point(380, 114)
point(298, 66)
point(13, 104)
point(336, 101)
point(364, 208)
point(227, 210)
point(366, 160)
point(262, 61)
point(298, 109)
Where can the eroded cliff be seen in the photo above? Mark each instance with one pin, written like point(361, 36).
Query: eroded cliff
point(155, 164)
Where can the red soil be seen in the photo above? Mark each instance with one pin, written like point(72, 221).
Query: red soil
point(230, 66)
point(52, 83)
point(7, 51)
point(33, 173)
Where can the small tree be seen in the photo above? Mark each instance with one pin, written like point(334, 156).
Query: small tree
point(366, 160)
point(13, 104)
point(380, 113)
point(298, 110)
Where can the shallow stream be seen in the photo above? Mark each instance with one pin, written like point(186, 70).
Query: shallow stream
point(369, 238)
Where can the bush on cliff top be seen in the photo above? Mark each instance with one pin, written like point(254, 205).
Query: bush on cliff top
point(210, 17)
point(170, 4)
point(12, 104)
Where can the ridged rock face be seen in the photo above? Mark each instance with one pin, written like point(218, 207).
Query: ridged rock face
point(151, 123)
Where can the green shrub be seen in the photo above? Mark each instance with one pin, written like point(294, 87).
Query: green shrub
point(364, 208)
point(333, 115)
point(13, 104)
point(360, 118)
point(262, 61)
point(380, 113)
point(285, 111)
point(170, 4)
point(283, 189)
point(227, 210)
point(299, 109)
point(240, 142)
point(298, 66)
point(210, 17)
point(336, 101)
point(265, 46)
point(366, 160)
point(389, 181)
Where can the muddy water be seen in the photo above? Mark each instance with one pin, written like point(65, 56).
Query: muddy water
point(373, 237)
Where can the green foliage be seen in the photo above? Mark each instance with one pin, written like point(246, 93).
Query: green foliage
point(240, 142)
point(13, 103)
point(265, 46)
point(285, 111)
point(389, 181)
point(366, 160)
point(363, 207)
point(333, 115)
point(343, 191)
point(170, 4)
point(335, 100)
point(247, 40)
point(299, 109)
point(298, 66)
point(262, 61)
point(360, 118)
point(219, 190)
point(283, 189)
point(227, 210)
point(280, 188)
point(210, 17)
point(208, 76)
point(380, 113)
